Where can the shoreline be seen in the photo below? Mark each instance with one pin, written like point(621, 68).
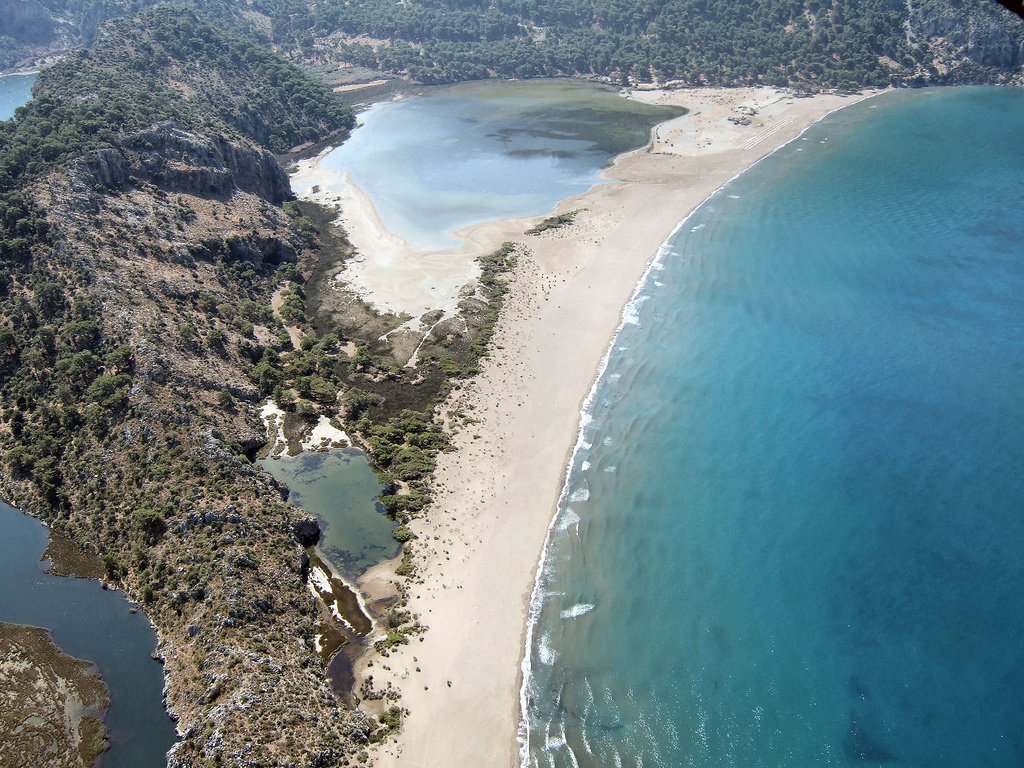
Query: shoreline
point(497, 495)
point(586, 417)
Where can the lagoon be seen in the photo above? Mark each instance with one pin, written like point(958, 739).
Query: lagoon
point(456, 156)
point(94, 624)
point(341, 489)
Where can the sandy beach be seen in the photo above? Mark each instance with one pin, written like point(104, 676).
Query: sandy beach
point(388, 272)
point(480, 542)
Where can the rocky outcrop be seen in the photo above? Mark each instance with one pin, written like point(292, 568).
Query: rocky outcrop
point(965, 37)
point(177, 160)
point(992, 44)
point(27, 21)
point(307, 531)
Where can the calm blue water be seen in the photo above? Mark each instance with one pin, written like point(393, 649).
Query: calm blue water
point(15, 90)
point(90, 623)
point(473, 152)
point(795, 533)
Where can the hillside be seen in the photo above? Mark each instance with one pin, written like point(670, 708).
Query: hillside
point(145, 228)
point(804, 43)
point(141, 237)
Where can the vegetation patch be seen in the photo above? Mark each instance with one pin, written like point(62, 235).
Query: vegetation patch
point(554, 222)
point(52, 705)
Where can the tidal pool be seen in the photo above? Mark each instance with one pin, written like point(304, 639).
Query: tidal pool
point(341, 490)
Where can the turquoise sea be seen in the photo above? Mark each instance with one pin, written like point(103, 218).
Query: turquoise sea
point(793, 530)
point(15, 90)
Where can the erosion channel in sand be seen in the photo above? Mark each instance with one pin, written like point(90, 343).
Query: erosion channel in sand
point(495, 495)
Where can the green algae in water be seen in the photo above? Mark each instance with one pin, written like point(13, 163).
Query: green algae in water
point(341, 490)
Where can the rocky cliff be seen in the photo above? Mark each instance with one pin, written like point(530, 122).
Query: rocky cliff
point(176, 160)
point(967, 42)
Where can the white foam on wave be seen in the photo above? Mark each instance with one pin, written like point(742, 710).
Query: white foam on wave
point(584, 466)
point(568, 519)
point(611, 468)
point(545, 652)
point(588, 708)
point(631, 315)
point(607, 440)
point(698, 228)
point(537, 595)
point(733, 197)
point(554, 743)
point(580, 494)
point(580, 609)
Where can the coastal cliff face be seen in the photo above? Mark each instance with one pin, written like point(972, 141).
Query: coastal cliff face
point(962, 40)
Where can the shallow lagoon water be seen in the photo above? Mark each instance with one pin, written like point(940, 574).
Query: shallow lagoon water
point(340, 488)
point(474, 152)
point(15, 90)
point(798, 538)
point(90, 623)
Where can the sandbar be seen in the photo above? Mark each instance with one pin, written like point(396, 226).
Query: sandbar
point(478, 544)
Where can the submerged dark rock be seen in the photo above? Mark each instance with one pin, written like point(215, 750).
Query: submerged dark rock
point(861, 747)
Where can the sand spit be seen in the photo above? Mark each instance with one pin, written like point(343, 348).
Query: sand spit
point(387, 272)
point(496, 494)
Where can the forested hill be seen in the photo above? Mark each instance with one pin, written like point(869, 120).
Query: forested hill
point(803, 43)
point(165, 64)
point(814, 43)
